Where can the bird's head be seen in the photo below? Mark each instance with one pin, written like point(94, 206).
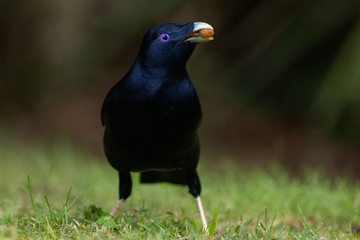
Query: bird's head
point(169, 46)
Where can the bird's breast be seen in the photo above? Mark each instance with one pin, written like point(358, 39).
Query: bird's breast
point(161, 119)
point(156, 131)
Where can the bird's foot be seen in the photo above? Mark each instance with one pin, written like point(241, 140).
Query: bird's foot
point(116, 209)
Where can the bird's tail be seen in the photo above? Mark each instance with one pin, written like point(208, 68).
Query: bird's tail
point(178, 176)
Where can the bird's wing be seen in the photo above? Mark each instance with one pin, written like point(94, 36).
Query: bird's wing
point(115, 100)
point(103, 110)
point(106, 107)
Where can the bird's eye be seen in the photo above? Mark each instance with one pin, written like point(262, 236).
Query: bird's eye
point(164, 37)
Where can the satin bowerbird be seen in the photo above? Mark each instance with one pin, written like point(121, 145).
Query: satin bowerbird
point(152, 114)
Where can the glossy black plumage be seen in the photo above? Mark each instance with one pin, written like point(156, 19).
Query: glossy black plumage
point(152, 115)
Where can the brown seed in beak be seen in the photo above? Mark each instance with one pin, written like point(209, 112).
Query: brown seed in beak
point(205, 33)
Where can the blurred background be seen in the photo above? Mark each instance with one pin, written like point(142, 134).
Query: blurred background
point(280, 82)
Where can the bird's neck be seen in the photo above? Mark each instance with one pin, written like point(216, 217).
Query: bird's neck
point(164, 71)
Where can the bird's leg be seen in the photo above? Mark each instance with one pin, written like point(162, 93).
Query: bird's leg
point(195, 189)
point(124, 191)
point(201, 211)
point(116, 209)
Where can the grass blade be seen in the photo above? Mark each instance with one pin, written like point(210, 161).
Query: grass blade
point(66, 207)
point(68, 196)
point(78, 196)
point(50, 210)
point(31, 197)
point(65, 215)
point(213, 224)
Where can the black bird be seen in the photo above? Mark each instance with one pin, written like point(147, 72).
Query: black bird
point(152, 115)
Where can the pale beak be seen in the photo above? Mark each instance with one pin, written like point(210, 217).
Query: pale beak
point(202, 32)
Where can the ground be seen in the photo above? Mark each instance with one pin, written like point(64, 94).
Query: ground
point(61, 192)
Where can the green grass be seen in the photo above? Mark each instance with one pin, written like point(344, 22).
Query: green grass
point(61, 193)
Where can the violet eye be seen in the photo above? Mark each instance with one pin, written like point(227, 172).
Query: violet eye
point(164, 37)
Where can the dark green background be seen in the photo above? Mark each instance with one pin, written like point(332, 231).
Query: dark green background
point(280, 81)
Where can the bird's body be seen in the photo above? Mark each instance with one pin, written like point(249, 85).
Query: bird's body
point(154, 131)
point(152, 115)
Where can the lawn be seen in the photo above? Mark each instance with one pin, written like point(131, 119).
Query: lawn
point(61, 192)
